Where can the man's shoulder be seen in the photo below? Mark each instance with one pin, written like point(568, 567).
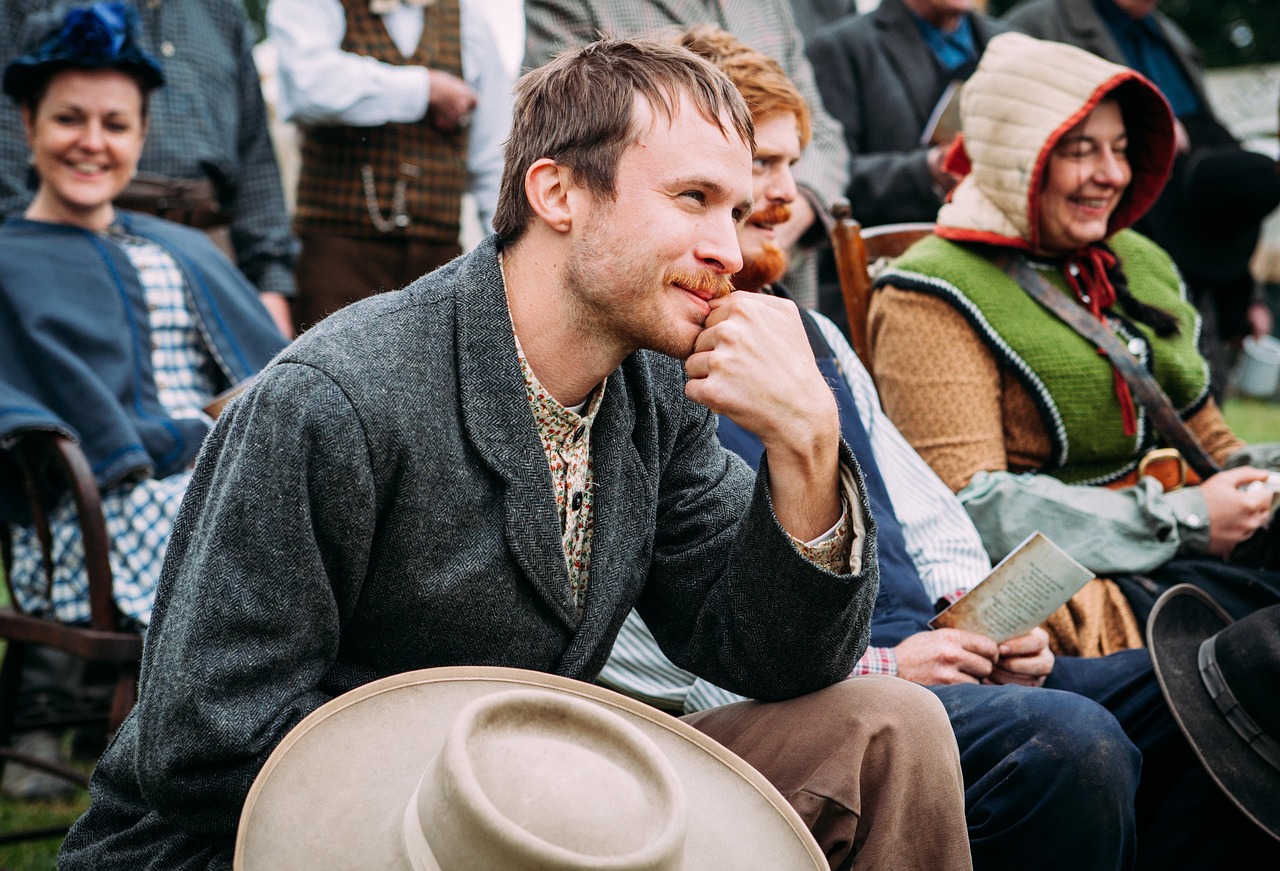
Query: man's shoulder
point(851, 29)
point(1032, 16)
point(402, 331)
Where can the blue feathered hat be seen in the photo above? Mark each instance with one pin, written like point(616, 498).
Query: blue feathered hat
point(100, 36)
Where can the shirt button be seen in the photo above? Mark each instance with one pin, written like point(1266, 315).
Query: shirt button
point(1136, 346)
point(167, 49)
point(577, 501)
point(577, 433)
point(1193, 521)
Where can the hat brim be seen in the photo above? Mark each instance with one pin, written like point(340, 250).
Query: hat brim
point(20, 78)
point(333, 792)
point(1183, 617)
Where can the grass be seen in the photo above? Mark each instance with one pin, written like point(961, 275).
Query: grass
point(1254, 420)
point(36, 855)
point(17, 815)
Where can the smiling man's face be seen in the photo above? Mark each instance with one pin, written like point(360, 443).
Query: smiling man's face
point(645, 263)
point(773, 192)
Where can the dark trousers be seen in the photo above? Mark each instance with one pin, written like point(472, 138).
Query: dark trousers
point(335, 271)
point(1091, 772)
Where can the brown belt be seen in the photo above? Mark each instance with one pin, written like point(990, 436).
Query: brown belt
point(193, 202)
point(1166, 465)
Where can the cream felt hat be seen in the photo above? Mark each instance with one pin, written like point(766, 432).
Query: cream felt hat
point(483, 768)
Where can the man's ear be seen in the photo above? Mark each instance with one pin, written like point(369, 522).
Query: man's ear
point(548, 187)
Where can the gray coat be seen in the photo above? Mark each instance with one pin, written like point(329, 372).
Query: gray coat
point(379, 502)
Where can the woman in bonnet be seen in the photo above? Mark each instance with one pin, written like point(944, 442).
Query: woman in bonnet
point(115, 328)
point(1022, 416)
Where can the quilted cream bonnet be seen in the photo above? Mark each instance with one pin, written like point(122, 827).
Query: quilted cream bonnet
point(1024, 95)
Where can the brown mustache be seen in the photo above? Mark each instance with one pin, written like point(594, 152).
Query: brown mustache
point(702, 282)
point(772, 214)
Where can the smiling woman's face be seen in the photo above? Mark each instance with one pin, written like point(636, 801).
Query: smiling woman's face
point(86, 136)
point(1087, 174)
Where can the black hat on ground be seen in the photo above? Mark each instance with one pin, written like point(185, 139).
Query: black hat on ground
point(1222, 681)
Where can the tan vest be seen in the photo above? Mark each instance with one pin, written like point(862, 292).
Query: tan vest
point(397, 180)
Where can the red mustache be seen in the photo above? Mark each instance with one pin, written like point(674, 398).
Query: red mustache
point(709, 284)
point(771, 215)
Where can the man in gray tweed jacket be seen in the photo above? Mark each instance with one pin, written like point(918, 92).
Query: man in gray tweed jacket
point(493, 466)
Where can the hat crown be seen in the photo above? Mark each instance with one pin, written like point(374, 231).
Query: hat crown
point(96, 33)
point(100, 36)
point(1248, 657)
point(530, 781)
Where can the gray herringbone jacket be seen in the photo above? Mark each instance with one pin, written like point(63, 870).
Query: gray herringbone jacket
point(379, 502)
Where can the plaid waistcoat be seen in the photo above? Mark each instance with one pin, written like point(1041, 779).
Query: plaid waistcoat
point(411, 174)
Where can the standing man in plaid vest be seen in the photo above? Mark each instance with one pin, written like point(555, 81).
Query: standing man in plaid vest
point(403, 106)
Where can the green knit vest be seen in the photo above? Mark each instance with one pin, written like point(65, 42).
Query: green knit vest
point(1069, 380)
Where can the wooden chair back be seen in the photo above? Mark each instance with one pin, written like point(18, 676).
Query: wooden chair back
point(44, 466)
point(857, 250)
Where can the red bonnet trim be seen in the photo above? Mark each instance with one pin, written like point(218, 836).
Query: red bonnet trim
point(985, 237)
point(956, 159)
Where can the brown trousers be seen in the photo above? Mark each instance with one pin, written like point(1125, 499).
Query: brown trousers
point(335, 271)
point(870, 764)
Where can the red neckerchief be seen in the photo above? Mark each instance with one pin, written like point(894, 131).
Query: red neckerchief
point(1086, 272)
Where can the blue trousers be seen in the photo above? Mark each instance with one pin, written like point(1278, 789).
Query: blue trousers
point(1089, 773)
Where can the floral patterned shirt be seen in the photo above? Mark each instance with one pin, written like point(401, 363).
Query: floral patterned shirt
point(566, 440)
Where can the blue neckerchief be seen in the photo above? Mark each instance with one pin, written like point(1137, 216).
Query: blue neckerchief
point(953, 50)
point(1146, 50)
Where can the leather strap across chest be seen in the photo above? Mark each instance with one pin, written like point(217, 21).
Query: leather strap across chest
point(1146, 390)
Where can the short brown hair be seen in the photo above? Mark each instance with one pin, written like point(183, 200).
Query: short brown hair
point(759, 78)
point(579, 111)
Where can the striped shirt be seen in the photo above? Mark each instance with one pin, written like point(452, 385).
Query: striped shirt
point(139, 516)
point(941, 540)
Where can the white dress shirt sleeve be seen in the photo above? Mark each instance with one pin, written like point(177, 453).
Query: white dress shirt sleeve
point(322, 84)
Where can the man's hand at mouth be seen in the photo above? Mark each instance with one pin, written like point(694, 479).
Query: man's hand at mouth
point(752, 363)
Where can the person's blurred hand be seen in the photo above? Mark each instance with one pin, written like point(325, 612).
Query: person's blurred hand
point(1260, 320)
point(944, 181)
point(1236, 510)
point(1181, 138)
point(451, 101)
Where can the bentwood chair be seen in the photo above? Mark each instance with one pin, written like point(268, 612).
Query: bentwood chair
point(860, 253)
point(41, 467)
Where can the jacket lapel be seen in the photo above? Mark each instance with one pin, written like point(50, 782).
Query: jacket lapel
point(498, 422)
point(910, 56)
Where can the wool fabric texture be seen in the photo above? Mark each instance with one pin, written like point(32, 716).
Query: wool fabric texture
point(1071, 384)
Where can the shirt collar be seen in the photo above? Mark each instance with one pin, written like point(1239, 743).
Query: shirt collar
point(547, 410)
point(954, 49)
